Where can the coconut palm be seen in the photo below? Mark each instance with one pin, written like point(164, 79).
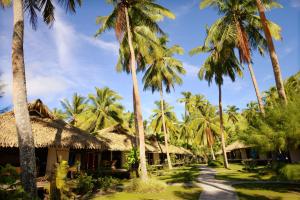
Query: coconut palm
point(162, 74)
point(59, 114)
point(272, 52)
point(25, 137)
point(170, 118)
point(74, 108)
point(240, 16)
point(232, 112)
point(104, 111)
point(185, 131)
point(206, 124)
point(186, 100)
point(124, 16)
point(220, 62)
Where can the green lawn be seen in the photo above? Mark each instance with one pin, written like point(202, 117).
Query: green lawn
point(236, 173)
point(268, 191)
point(172, 192)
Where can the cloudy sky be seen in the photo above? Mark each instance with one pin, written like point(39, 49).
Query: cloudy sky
point(66, 58)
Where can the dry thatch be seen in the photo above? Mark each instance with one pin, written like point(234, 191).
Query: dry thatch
point(235, 145)
point(48, 131)
point(116, 138)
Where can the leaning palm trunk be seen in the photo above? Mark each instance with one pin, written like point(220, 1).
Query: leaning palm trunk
point(222, 127)
point(138, 110)
point(272, 52)
point(23, 126)
point(212, 152)
point(164, 129)
point(258, 96)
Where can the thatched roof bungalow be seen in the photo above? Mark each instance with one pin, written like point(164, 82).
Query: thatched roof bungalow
point(53, 138)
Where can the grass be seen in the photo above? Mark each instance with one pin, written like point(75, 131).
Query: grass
point(255, 191)
point(174, 192)
point(236, 173)
point(171, 192)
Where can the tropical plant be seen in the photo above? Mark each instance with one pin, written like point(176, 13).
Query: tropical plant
point(23, 126)
point(74, 108)
point(232, 112)
point(162, 74)
point(241, 21)
point(220, 62)
point(272, 52)
point(59, 114)
point(186, 100)
point(122, 19)
point(104, 111)
point(170, 119)
point(206, 126)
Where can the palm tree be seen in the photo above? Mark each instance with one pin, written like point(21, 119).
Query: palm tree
point(25, 137)
point(206, 124)
point(59, 114)
point(240, 16)
point(186, 100)
point(164, 72)
point(186, 133)
point(124, 15)
point(104, 111)
point(74, 108)
point(232, 114)
point(272, 52)
point(170, 119)
point(220, 62)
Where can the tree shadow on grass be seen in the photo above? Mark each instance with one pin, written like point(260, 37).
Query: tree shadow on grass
point(188, 195)
point(243, 196)
point(181, 176)
point(276, 187)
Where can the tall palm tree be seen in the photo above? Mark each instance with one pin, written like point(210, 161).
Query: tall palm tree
point(206, 124)
point(220, 62)
point(240, 16)
point(164, 71)
point(185, 132)
point(125, 14)
point(74, 108)
point(186, 100)
point(232, 112)
point(104, 111)
point(58, 113)
point(169, 115)
point(23, 126)
point(272, 52)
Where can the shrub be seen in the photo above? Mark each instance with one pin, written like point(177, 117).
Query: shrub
point(16, 194)
point(291, 172)
point(149, 186)
point(249, 165)
point(106, 182)
point(8, 174)
point(84, 184)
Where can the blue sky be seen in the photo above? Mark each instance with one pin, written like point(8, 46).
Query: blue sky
point(66, 58)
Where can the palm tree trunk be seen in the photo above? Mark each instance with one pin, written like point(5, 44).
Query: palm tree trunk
point(222, 127)
point(135, 121)
point(258, 96)
point(212, 152)
point(272, 52)
point(164, 128)
point(23, 126)
point(139, 117)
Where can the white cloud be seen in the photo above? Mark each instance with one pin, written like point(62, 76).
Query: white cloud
point(185, 8)
point(191, 70)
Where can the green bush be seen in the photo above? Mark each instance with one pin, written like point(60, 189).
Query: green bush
point(8, 174)
point(85, 184)
point(149, 186)
point(249, 165)
point(16, 194)
point(106, 182)
point(291, 172)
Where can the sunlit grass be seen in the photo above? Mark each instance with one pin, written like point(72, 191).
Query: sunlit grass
point(268, 191)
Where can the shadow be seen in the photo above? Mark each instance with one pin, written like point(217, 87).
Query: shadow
point(187, 195)
point(276, 187)
point(243, 196)
point(183, 175)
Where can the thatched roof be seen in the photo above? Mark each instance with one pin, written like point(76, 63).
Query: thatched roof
point(47, 131)
point(117, 138)
point(235, 145)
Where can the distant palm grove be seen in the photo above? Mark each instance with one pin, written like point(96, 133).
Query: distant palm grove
point(272, 123)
